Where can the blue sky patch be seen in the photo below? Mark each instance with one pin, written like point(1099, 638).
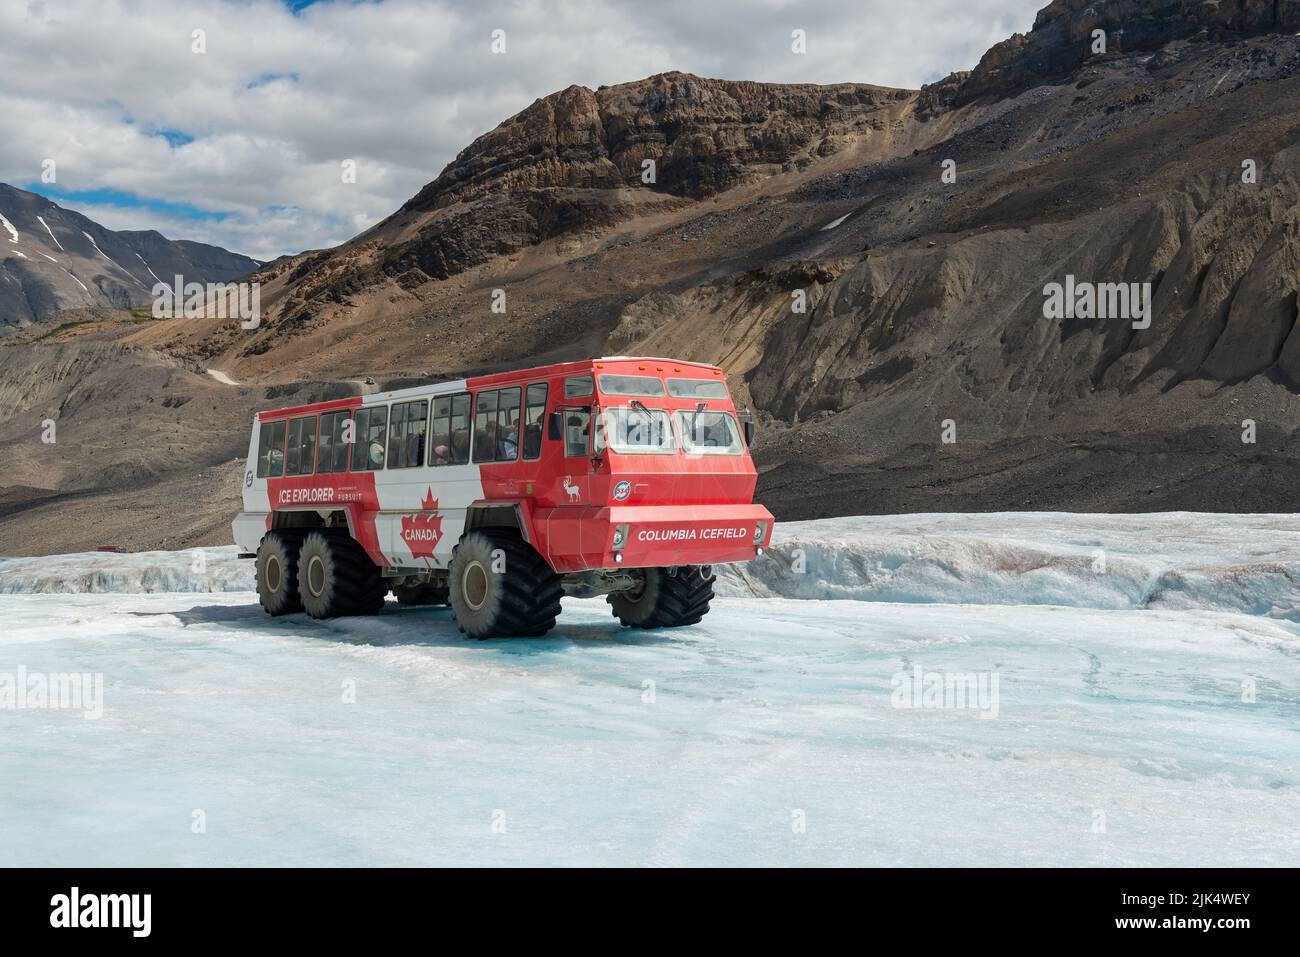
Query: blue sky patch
point(174, 138)
point(125, 200)
point(266, 78)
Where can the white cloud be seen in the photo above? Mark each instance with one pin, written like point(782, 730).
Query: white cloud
point(279, 100)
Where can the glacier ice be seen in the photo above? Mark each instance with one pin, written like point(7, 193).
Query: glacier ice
point(1145, 713)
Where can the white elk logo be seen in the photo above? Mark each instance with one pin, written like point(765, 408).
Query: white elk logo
point(571, 489)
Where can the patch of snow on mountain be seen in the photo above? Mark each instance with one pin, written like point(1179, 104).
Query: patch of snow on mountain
point(76, 280)
point(147, 266)
point(96, 245)
point(42, 221)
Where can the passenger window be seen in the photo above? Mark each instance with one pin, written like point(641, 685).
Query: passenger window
point(300, 455)
point(332, 456)
point(534, 419)
point(270, 450)
point(368, 439)
point(485, 427)
point(508, 424)
point(578, 386)
point(406, 434)
point(576, 424)
point(449, 430)
point(496, 425)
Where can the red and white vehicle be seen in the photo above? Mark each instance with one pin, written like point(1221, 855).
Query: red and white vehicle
point(628, 477)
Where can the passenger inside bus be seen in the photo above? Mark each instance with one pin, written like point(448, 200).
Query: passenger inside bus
point(460, 445)
point(532, 441)
point(415, 448)
point(509, 448)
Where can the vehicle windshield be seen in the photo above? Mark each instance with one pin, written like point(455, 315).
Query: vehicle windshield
point(631, 385)
point(633, 430)
point(709, 433)
point(697, 389)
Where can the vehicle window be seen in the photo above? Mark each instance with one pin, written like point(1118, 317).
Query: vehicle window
point(631, 385)
point(407, 431)
point(332, 456)
point(633, 430)
point(534, 419)
point(368, 439)
point(300, 454)
point(270, 449)
point(575, 387)
point(697, 388)
point(576, 424)
point(485, 427)
point(449, 430)
point(496, 425)
point(709, 433)
point(508, 421)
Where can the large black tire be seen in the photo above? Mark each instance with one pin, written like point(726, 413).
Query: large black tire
point(666, 600)
point(276, 571)
point(422, 595)
point(336, 577)
point(518, 597)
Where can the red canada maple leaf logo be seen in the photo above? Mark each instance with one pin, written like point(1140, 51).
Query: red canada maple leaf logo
point(423, 531)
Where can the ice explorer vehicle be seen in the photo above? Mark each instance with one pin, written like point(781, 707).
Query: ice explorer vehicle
point(629, 477)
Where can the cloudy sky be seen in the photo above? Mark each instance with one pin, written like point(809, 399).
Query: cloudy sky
point(242, 144)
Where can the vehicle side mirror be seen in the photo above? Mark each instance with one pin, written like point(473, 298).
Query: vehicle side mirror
point(555, 426)
point(751, 430)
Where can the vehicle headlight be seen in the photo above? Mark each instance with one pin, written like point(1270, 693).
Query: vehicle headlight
point(760, 532)
point(620, 536)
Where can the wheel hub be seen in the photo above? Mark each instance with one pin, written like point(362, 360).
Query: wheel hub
point(316, 576)
point(474, 585)
point(274, 574)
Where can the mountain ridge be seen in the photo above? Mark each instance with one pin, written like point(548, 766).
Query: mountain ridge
point(52, 259)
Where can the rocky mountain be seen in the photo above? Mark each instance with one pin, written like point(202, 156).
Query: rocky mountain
point(1064, 37)
point(581, 161)
point(871, 266)
point(53, 259)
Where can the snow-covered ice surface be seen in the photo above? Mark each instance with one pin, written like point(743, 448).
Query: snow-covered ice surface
point(193, 570)
point(1139, 733)
point(1247, 563)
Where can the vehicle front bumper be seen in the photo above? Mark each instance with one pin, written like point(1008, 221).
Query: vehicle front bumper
point(653, 535)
